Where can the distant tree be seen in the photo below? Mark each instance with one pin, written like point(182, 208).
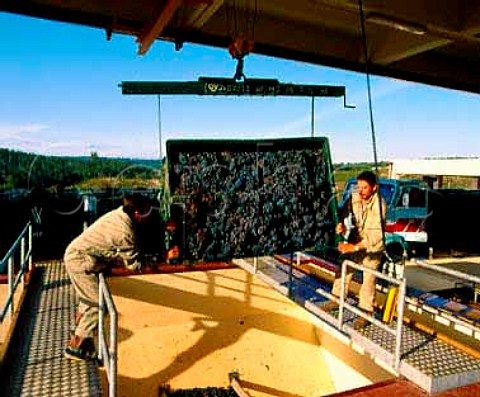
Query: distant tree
point(27, 170)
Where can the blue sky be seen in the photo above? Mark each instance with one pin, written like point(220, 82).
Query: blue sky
point(59, 95)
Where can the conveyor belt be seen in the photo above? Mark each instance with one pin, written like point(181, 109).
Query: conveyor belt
point(427, 361)
point(37, 366)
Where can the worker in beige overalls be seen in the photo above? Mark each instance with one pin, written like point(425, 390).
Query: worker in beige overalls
point(366, 244)
point(109, 241)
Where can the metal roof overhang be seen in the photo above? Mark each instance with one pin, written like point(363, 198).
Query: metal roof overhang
point(436, 42)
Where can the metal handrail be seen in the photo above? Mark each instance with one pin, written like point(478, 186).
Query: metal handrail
point(107, 352)
point(402, 283)
point(26, 263)
point(450, 272)
point(470, 278)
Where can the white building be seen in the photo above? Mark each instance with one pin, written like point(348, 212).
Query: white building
point(434, 170)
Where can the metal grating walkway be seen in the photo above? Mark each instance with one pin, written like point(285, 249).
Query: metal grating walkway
point(38, 367)
point(428, 362)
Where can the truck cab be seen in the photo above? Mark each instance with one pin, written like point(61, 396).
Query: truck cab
point(407, 212)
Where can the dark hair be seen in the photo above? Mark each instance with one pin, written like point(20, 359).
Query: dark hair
point(136, 202)
point(369, 177)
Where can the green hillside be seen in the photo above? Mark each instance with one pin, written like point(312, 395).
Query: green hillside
point(20, 170)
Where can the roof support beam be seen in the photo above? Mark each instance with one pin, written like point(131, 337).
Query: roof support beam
point(396, 46)
point(150, 34)
point(438, 70)
point(203, 13)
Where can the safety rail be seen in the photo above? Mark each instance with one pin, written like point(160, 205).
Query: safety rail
point(343, 304)
point(26, 263)
point(402, 286)
point(474, 280)
point(107, 352)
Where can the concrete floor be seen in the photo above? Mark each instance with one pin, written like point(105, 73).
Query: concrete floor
point(192, 329)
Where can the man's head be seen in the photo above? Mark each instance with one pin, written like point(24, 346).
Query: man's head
point(138, 207)
point(367, 184)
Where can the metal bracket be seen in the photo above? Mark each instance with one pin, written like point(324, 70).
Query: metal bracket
point(345, 103)
point(234, 378)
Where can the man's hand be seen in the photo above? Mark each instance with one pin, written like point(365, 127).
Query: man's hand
point(340, 229)
point(173, 253)
point(347, 248)
point(135, 266)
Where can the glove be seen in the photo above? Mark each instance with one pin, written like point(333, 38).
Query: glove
point(135, 266)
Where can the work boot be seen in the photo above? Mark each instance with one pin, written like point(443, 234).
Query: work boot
point(80, 349)
point(329, 306)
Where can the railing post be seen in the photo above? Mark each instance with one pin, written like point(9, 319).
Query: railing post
point(30, 247)
point(291, 293)
point(22, 259)
point(400, 311)
point(342, 294)
point(101, 319)
point(17, 249)
point(10, 287)
point(113, 354)
point(107, 349)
